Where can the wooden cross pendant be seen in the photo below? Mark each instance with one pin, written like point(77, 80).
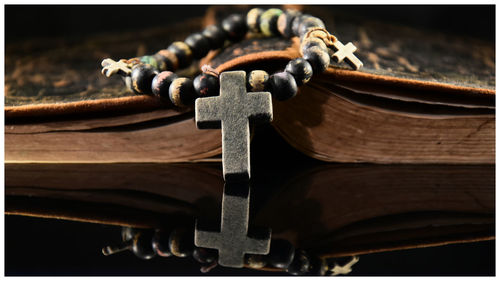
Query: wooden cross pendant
point(232, 241)
point(232, 110)
point(346, 52)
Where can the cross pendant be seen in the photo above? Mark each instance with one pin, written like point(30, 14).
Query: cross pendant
point(232, 241)
point(346, 52)
point(232, 110)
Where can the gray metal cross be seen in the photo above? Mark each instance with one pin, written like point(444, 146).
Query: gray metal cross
point(232, 110)
point(346, 52)
point(232, 241)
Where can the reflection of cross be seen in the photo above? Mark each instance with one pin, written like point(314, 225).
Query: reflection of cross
point(232, 241)
point(346, 52)
point(233, 107)
point(110, 67)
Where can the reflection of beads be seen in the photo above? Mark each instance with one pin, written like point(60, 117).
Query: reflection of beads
point(271, 22)
point(179, 242)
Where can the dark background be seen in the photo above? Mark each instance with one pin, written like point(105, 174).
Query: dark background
point(36, 246)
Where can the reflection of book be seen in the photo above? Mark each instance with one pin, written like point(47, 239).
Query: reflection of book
point(407, 105)
point(334, 210)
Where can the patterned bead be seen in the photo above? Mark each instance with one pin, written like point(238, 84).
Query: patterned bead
point(309, 22)
point(181, 242)
point(283, 86)
point(300, 264)
point(258, 81)
point(141, 245)
point(206, 85)
point(312, 42)
point(235, 26)
point(183, 53)
point(285, 21)
point(204, 255)
point(161, 83)
point(215, 36)
point(181, 92)
point(300, 69)
point(169, 58)
point(151, 60)
point(160, 243)
point(161, 65)
point(255, 261)
point(268, 22)
point(253, 19)
point(142, 75)
point(200, 46)
point(281, 253)
point(318, 58)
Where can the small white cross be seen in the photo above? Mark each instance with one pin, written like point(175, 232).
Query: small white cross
point(344, 269)
point(346, 52)
point(110, 67)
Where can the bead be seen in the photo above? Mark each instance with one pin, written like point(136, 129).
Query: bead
point(318, 58)
point(285, 21)
point(151, 60)
point(281, 253)
point(300, 263)
point(215, 36)
point(235, 26)
point(313, 42)
point(296, 24)
point(255, 261)
point(169, 58)
point(200, 46)
point(268, 21)
point(309, 22)
point(181, 92)
point(142, 75)
point(204, 255)
point(300, 69)
point(160, 243)
point(161, 83)
point(183, 53)
point(161, 65)
point(283, 86)
point(317, 266)
point(253, 19)
point(181, 242)
point(258, 81)
point(128, 233)
point(206, 85)
point(141, 245)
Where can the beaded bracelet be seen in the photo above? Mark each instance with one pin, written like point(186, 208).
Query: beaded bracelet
point(155, 74)
point(177, 242)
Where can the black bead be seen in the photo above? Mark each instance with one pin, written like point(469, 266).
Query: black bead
point(206, 85)
point(183, 53)
point(300, 69)
point(169, 58)
point(296, 24)
point(204, 255)
point(160, 243)
point(317, 266)
point(318, 58)
point(283, 86)
point(142, 75)
point(141, 245)
point(309, 22)
point(128, 233)
point(198, 44)
point(300, 263)
point(215, 36)
point(285, 21)
point(161, 83)
point(181, 92)
point(181, 242)
point(313, 42)
point(281, 253)
point(268, 21)
point(235, 26)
